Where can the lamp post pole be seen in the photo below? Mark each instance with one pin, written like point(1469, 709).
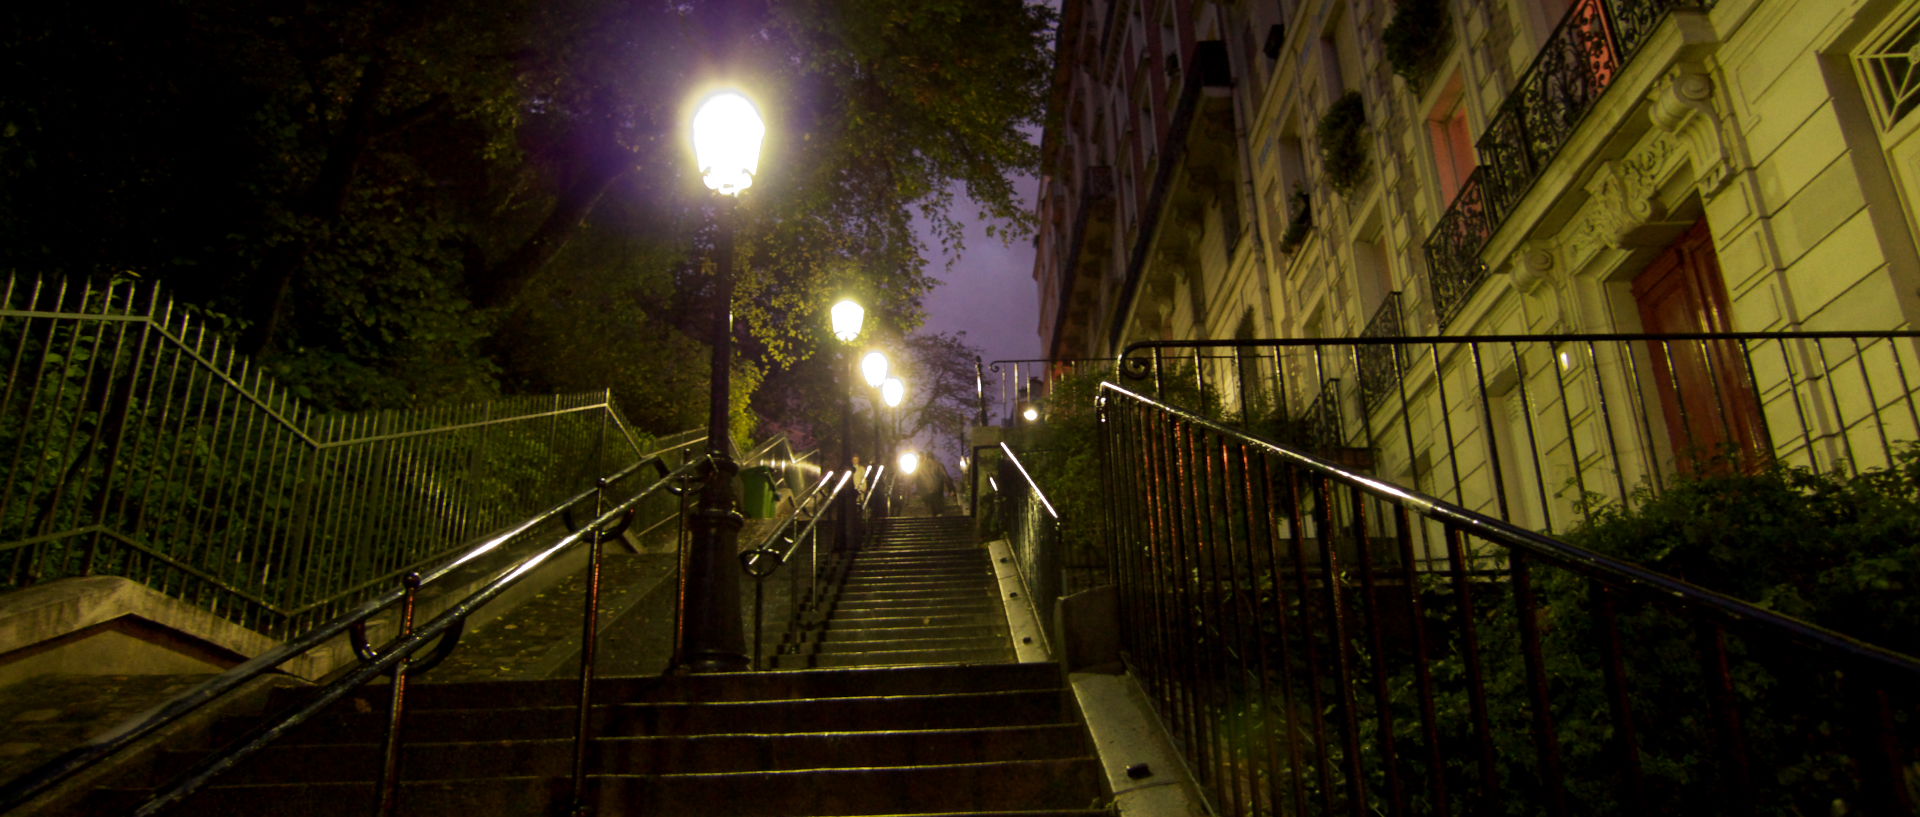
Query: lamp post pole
point(726, 136)
point(847, 317)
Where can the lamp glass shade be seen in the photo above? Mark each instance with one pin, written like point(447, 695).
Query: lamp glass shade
point(893, 391)
point(1030, 414)
point(847, 316)
point(873, 367)
point(726, 142)
point(909, 461)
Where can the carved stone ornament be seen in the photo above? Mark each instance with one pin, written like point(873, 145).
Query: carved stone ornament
point(1531, 266)
point(1684, 105)
point(1623, 208)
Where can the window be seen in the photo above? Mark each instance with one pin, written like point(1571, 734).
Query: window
point(1452, 139)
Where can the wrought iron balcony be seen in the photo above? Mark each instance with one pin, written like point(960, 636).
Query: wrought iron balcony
point(1587, 51)
point(1380, 366)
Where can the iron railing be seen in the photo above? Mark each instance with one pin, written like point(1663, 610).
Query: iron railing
point(1541, 429)
point(1271, 609)
point(795, 535)
point(999, 386)
point(137, 443)
point(1578, 63)
point(394, 605)
point(1032, 526)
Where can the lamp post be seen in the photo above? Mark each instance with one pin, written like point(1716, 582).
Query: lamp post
point(726, 143)
point(873, 368)
point(847, 316)
point(892, 391)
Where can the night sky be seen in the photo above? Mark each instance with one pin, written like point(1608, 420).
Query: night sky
point(989, 292)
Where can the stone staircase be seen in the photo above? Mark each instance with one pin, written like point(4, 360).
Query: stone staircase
point(931, 717)
point(979, 740)
point(919, 592)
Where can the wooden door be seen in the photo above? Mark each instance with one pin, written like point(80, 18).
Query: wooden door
point(1706, 391)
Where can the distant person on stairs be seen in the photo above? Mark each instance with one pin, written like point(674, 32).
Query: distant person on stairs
point(934, 483)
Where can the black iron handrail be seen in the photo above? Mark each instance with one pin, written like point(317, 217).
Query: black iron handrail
point(1032, 524)
point(1556, 420)
point(1205, 518)
point(352, 624)
point(779, 545)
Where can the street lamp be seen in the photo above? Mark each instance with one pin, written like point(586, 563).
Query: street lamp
point(727, 131)
point(847, 315)
point(909, 462)
point(874, 368)
point(892, 391)
point(846, 318)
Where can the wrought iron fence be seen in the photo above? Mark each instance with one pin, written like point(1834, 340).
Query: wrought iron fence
point(1001, 385)
point(139, 444)
point(1578, 63)
point(1032, 527)
point(1271, 608)
point(1540, 430)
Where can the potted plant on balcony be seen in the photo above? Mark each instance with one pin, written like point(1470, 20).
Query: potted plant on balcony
point(1299, 219)
point(1343, 143)
point(1415, 39)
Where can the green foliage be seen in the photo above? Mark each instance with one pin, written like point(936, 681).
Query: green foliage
point(388, 196)
point(1841, 552)
point(1415, 39)
point(1343, 143)
point(1063, 452)
point(1299, 220)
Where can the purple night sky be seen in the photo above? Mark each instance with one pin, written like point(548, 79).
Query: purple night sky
point(988, 292)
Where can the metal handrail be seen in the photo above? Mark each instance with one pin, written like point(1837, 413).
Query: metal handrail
point(1651, 585)
point(765, 559)
point(1256, 495)
point(38, 780)
point(1035, 543)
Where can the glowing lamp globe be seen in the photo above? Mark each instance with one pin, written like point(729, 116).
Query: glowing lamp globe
point(874, 368)
point(909, 461)
point(726, 142)
point(1030, 414)
point(892, 391)
point(847, 316)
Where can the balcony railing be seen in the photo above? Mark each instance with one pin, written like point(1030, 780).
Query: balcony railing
point(1577, 65)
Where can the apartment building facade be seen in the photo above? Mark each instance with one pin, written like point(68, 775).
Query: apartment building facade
point(1537, 169)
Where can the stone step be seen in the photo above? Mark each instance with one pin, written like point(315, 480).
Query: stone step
point(306, 763)
point(706, 687)
point(948, 643)
point(997, 652)
point(891, 634)
point(883, 619)
point(863, 713)
point(993, 786)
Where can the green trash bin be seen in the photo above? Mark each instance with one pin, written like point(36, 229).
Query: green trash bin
point(758, 500)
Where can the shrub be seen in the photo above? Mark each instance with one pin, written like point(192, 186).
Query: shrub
point(1415, 39)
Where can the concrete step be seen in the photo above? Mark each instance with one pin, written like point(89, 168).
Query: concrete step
point(992, 786)
point(862, 713)
point(709, 687)
point(995, 653)
point(306, 763)
point(975, 604)
point(947, 643)
point(906, 634)
point(861, 621)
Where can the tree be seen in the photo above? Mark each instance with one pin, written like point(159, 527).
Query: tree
point(402, 202)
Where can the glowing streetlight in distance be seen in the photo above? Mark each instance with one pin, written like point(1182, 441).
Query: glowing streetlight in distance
point(874, 368)
point(1030, 414)
point(726, 142)
point(847, 315)
point(909, 461)
point(892, 391)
